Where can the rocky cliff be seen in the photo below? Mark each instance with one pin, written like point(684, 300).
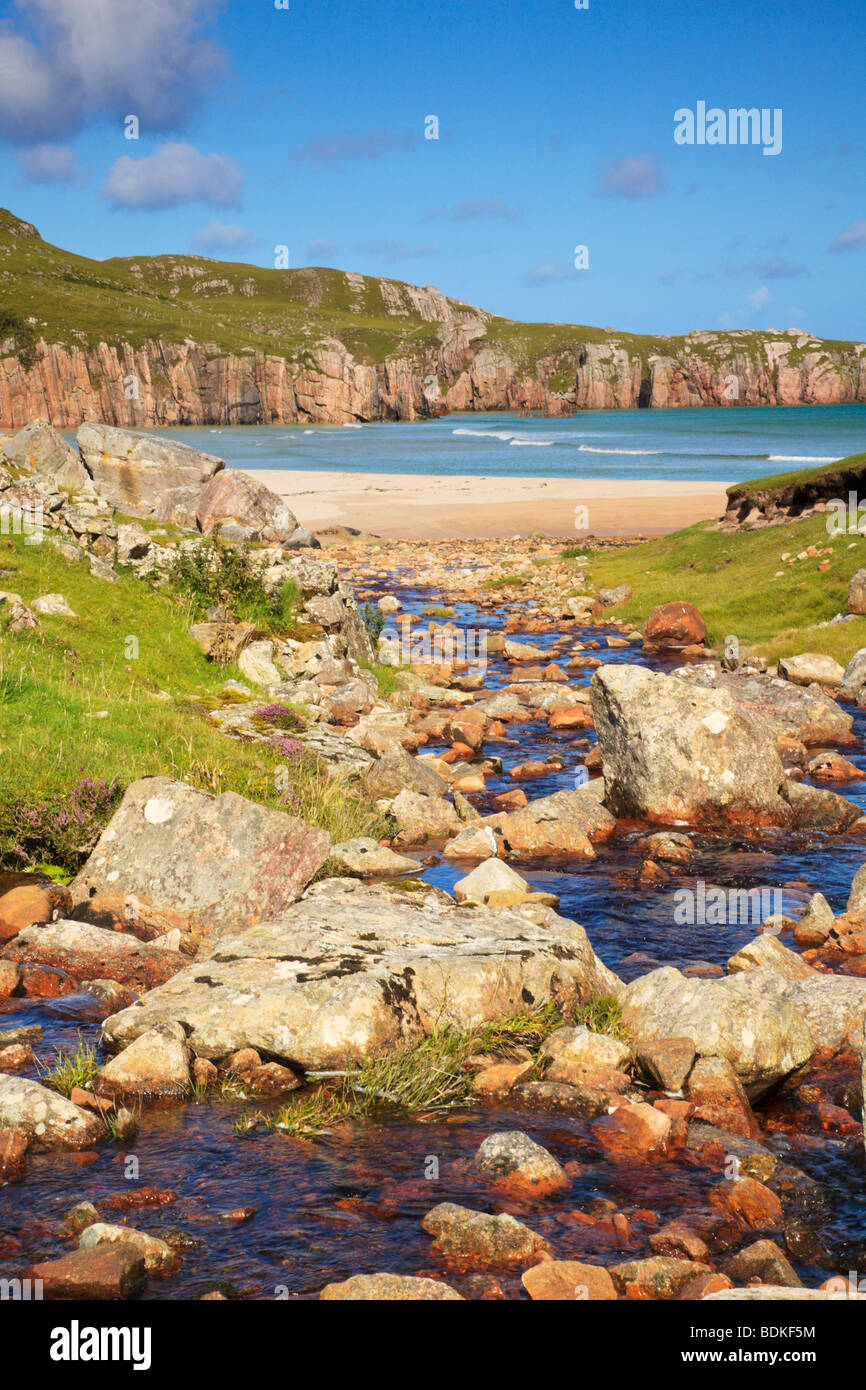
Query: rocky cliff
point(187, 341)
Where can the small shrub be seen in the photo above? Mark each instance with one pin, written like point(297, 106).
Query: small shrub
point(279, 717)
point(211, 573)
point(374, 622)
point(61, 829)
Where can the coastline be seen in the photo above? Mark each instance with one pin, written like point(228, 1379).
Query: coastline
point(430, 507)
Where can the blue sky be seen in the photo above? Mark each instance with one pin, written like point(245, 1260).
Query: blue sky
point(305, 127)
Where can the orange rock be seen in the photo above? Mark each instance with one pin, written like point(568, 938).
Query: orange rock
point(13, 1154)
point(634, 1131)
point(29, 905)
point(753, 1204)
point(511, 801)
point(498, 1080)
point(567, 1281)
point(578, 717)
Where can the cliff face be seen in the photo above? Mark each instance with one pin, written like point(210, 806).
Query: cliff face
point(183, 340)
point(163, 383)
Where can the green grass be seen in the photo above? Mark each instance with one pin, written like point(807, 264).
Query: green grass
point(76, 705)
point(603, 1015)
point(430, 1076)
point(507, 581)
point(743, 588)
point(778, 482)
point(71, 1069)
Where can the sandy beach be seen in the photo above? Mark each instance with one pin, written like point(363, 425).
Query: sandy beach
point(428, 507)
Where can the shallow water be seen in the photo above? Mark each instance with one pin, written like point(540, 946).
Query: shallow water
point(352, 1201)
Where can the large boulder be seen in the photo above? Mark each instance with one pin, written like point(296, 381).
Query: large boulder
point(833, 1007)
point(804, 713)
point(241, 509)
point(86, 952)
point(223, 861)
point(675, 753)
point(39, 449)
point(763, 1038)
point(349, 971)
point(50, 1120)
point(143, 474)
point(674, 625)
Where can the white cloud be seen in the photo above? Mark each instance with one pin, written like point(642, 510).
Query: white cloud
point(223, 236)
point(67, 61)
point(178, 173)
point(50, 164)
point(635, 176)
point(852, 238)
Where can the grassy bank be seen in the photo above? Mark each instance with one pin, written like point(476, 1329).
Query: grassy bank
point(112, 695)
point(743, 586)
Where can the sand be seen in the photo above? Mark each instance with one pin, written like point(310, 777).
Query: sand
point(428, 507)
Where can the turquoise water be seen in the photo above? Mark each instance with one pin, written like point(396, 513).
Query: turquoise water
point(723, 445)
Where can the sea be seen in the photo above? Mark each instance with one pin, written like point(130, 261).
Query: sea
point(728, 445)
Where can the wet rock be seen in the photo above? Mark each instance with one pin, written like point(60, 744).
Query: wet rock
point(156, 1065)
point(10, 978)
point(366, 858)
point(633, 1132)
point(815, 809)
point(515, 1162)
point(765, 1262)
point(750, 1202)
point(679, 1241)
point(660, 1277)
point(342, 974)
point(495, 1082)
point(678, 754)
point(87, 953)
point(566, 823)
point(811, 668)
point(569, 1050)
point(667, 847)
point(222, 860)
point(389, 1288)
point(674, 625)
point(159, 1258)
point(16, 1057)
point(51, 1121)
point(14, 1143)
point(590, 1098)
point(764, 1039)
point(479, 1239)
point(719, 1099)
point(717, 1148)
point(473, 842)
point(565, 1281)
point(815, 925)
point(104, 1272)
point(77, 1219)
point(832, 767)
point(666, 1061)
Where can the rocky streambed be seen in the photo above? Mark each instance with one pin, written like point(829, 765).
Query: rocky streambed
point(692, 1128)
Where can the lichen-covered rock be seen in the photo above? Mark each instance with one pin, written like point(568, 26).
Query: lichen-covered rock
point(239, 508)
point(86, 952)
point(568, 1050)
point(223, 861)
point(565, 823)
point(479, 1239)
point(803, 713)
point(514, 1161)
point(343, 974)
point(675, 753)
point(811, 668)
point(764, 1038)
point(138, 473)
point(366, 858)
point(156, 1065)
point(51, 1121)
point(389, 1288)
point(37, 449)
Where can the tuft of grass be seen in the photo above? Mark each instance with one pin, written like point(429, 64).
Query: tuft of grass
point(427, 1076)
point(603, 1015)
point(387, 677)
point(507, 581)
point(213, 573)
point(71, 1069)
